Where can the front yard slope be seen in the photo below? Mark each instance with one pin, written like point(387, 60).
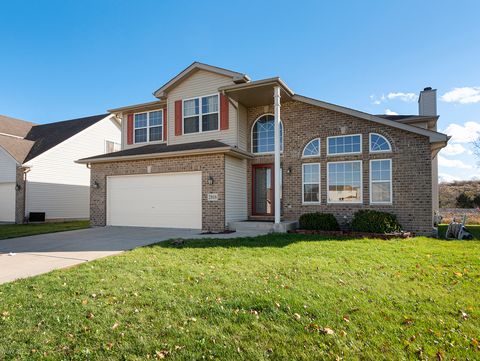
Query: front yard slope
point(292, 297)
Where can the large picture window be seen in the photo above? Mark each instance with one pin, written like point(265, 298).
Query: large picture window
point(344, 144)
point(344, 182)
point(263, 135)
point(148, 126)
point(200, 114)
point(381, 181)
point(311, 183)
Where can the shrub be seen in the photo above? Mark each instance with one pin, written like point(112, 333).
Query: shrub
point(318, 222)
point(375, 222)
point(465, 200)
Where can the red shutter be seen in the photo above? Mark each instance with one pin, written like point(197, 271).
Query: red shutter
point(223, 112)
point(165, 124)
point(130, 129)
point(178, 117)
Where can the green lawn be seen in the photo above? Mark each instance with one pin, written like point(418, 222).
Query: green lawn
point(272, 297)
point(20, 230)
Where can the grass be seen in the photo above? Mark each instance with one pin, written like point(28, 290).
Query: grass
point(270, 297)
point(20, 230)
point(473, 229)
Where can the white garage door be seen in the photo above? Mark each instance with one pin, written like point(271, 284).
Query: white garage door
point(155, 200)
point(7, 202)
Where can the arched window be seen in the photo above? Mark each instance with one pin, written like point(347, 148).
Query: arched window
point(263, 135)
point(378, 143)
point(312, 149)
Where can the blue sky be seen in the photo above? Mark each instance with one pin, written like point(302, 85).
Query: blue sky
point(67, 59)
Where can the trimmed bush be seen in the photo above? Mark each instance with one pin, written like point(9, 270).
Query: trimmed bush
point(318, 222)
point(375, 222)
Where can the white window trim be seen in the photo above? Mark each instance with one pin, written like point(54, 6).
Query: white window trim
point(319, 150)
point(391, 182)
point(378, 151)
point(343, 136)
point(319, 184)
point(148, 126)
point(111, 141)
point(251, 137)
point(361, 182)
point(200, 114)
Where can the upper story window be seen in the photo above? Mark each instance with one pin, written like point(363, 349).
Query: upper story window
point(344, 144)
point(200, 114)
point(263, 135)
point(148, 126)
point(312, 149)
point(378, 143)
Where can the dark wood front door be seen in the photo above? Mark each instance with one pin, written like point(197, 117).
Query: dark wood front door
point(263, 190)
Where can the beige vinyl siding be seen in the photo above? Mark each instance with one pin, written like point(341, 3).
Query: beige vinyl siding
point(243, 132)
point(56, 184)
point(8, 167)
point(201, 83)
point(235, 189)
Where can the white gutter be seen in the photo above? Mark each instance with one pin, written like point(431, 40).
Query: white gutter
point(276, 97)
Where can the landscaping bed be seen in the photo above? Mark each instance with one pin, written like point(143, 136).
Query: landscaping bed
point(353, 234)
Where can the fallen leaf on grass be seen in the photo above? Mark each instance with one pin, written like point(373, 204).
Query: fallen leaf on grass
point(297, 316)
point(90, 315)
point(161, 354)
point(115, 325)
point(346, 318)
point(327, 331)
point(458, 274)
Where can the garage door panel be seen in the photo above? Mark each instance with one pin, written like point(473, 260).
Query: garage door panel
point(7, 202)
point(165, 200)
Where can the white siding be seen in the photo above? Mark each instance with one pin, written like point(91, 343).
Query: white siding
point(235, 189)
point(59, 186)
point(7, 202)
point(198, 84)
point(8, 167)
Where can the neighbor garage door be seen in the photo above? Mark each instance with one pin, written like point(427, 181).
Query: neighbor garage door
point(155, 200)
point(7, 202)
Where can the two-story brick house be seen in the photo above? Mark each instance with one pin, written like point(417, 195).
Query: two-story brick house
point(202, 156)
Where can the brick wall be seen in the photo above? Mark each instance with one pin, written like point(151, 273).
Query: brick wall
point(20, 197)
point(411, 164)
point(213, 213)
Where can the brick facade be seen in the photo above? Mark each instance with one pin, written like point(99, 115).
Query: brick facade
point(20, 196)
point(213, 213)
point(411, 164)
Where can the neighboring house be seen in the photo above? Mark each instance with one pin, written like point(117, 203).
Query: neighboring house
point(202, 156)
point(38, 169)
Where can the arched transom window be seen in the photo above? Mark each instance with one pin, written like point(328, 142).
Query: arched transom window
point(263, 135)
point(378, 143)
point(312, 149)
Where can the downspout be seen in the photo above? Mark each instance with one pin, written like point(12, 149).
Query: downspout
point(276, 97)
point(24, 206)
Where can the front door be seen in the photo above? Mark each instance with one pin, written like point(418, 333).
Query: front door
point(263, 189)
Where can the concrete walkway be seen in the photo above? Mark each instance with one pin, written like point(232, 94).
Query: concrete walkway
point(29, 256)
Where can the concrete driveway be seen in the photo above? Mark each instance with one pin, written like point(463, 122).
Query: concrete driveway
point(29, 256)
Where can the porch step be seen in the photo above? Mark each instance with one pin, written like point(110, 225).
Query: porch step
point(267, 226)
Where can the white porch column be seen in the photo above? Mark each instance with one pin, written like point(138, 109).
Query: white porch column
point(276, 96)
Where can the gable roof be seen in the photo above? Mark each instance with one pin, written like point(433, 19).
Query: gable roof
point(13, 126)
point(47, 136)
point(18, 148)
point(432, 135)
point(195, 66)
